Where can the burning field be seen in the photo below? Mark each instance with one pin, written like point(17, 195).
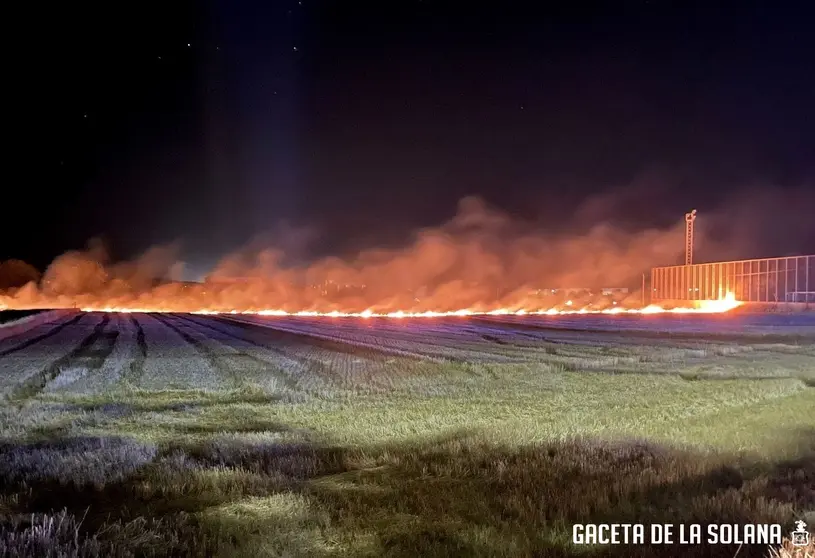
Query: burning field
point(450, 397)
point(479, 263)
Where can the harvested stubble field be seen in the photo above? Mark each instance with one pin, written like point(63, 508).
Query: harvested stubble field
point(184, 435)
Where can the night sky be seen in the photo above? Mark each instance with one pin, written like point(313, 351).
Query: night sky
point(212, 122)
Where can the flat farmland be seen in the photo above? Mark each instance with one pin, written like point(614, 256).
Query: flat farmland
point(193, 435)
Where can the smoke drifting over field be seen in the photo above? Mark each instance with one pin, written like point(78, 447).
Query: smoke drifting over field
point(479, 260)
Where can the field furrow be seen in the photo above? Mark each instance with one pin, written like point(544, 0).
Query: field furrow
point(280, 333)
point(712, 326)
point(114, 355)
point(453, 334)
point(405, 346)
point(173, 362)
point(83, 345)
point(132, 375)
point(241, 364)
point(305, 367)
point(36, 334)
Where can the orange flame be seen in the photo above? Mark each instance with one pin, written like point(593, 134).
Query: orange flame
point(725, 304)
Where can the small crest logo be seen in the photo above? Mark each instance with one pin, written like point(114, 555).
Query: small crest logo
point(800, 537)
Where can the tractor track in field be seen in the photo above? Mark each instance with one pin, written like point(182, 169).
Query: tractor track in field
point(91, 353)
point(301, 360)
point(332, 345)
point(214, 359)
point(646, 333)
point(495, 339)
point(50, 333)
point(226, 363)
point(417, 347)
point(310, 365)
point(137, 364)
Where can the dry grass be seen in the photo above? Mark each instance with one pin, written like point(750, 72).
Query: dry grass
point(457, 495)
point(788, 550)
point(61, 535)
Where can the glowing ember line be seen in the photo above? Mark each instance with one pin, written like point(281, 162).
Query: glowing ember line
point(725, 304)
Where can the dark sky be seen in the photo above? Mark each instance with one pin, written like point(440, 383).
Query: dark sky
point(210, 122)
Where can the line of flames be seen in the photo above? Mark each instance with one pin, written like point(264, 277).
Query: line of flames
point(725, 304)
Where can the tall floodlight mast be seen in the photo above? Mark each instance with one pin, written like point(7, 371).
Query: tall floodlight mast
point(689, 219)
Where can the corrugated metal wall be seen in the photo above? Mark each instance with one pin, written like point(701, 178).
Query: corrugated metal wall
point(789, 279)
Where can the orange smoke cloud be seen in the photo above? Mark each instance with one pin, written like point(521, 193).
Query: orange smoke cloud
point(479, 261)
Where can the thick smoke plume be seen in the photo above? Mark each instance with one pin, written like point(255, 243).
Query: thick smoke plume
point(480, 260)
